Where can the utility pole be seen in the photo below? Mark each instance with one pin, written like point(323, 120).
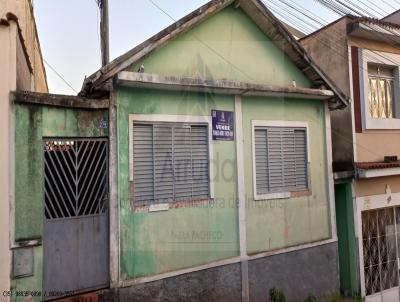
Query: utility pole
point(104, 32)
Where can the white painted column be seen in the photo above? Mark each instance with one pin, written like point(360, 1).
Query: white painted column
point(242, 198)
point(331, 185)
point(8, 78)
point(113, 181)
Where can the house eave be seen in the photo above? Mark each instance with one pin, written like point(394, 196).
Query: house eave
point(256, 10)
point(174, 83)
point(375, 32)
point(372, 173)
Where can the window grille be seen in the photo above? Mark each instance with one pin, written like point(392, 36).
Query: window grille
point(381, 92)
point(75, 177)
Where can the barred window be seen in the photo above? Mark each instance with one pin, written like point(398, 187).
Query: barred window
point(170, 162)
point(381, 92)
point(280, 159)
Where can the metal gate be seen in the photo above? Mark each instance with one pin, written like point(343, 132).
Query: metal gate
point(381, 242)
point(75, 240)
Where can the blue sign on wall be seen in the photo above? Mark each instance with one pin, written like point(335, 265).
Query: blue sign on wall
point(223, 124)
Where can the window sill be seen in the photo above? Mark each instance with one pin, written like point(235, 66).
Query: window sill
point(154, 208)
point(282, 195)
point(382, 123)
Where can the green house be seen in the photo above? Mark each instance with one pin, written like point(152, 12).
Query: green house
point(220, 183)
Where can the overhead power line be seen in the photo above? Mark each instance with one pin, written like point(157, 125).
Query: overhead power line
point(60, 76)
point(330, 129)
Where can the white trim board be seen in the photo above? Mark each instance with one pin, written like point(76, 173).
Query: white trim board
point(377, 172)
point(351, 104)
point(269, 123)
point(366, 203)
point(383, 58)
point(195, 119)
point(241, 191)
point(330, 180)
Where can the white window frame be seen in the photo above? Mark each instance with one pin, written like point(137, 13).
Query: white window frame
point(263, 123)
point(386, 59)
point(160, 118)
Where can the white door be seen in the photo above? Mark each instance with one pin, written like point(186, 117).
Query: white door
point(380, 235)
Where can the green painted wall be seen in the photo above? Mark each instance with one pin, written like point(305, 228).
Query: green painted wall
point(346, 239)
point(31, 284)
point(158, 242)
point(279, 223)
point(226, 46)
point(32, 124)
point(231, 47)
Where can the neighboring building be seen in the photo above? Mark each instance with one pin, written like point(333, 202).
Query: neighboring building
point(21, 68)
point(294, 31)
point(362, 56)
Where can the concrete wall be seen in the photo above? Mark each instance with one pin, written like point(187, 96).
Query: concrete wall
point(292, 221)
point(376, 186)
point(8, 39)
point(226, 46)
point(23, 9)
point(33, 123)
point(19, 48)
point(328, 48)
point(393, 18)
point(312, 271)
point(158, 242)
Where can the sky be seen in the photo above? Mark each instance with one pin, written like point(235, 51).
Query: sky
point(70, 39)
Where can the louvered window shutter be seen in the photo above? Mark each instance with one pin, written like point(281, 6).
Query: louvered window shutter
point(163, 163)
point(280, 159)
point(170, 162)
point(183, 163)
point(200, 162)
point(143, 165)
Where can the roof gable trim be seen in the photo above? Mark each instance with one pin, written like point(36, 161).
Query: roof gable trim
point(260, 15)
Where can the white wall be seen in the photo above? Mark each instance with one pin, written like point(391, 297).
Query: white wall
point(8, 38)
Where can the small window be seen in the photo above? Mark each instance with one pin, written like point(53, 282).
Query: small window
point(381, 92)
point(280, 160)
point(170, 163)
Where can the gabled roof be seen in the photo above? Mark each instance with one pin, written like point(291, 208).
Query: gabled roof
point(378, 29)
point(390, 16)
point(255, 9)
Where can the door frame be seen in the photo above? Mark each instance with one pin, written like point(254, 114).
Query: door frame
point(366, 203)
point(108, 233)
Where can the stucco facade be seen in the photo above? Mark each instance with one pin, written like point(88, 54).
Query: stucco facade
point(155, 245)
point(22, 68)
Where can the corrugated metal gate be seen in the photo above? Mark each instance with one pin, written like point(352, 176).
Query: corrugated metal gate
point(75, 237)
